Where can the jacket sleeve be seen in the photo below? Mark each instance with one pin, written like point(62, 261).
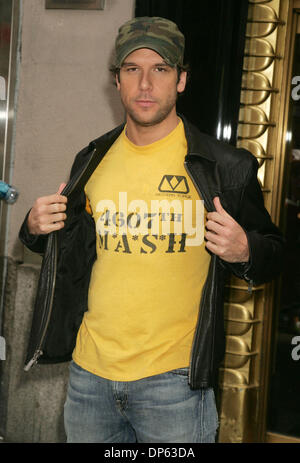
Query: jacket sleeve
point(266, 243)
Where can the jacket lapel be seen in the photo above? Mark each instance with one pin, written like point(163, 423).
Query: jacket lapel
point(202, 166)
point(96, 151)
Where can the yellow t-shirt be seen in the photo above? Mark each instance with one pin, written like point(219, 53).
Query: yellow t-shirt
point(151, 262)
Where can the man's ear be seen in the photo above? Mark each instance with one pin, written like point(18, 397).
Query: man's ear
point(117, 77)
point(182, 82)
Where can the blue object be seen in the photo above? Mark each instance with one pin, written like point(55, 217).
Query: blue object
point(8, 193)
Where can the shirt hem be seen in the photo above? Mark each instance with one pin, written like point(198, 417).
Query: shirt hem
point(96, 372)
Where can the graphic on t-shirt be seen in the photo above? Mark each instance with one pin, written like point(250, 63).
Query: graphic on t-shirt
point(174, 184)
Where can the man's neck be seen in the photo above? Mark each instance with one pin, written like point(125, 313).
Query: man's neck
point(145, 135)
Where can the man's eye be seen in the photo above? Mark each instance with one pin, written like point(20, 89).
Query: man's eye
point(131, 69)
point(161, 69)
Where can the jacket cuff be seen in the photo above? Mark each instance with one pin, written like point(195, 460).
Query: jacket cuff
point(240, 269)
point(33, 242)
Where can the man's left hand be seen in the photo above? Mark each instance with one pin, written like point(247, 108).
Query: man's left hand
point(225, 237)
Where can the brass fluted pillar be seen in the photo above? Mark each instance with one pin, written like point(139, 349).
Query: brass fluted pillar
point(242, 378)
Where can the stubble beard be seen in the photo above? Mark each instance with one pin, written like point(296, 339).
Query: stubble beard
point(159, 116)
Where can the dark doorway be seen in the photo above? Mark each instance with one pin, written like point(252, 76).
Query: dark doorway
point(284, 403)
point(215, 38)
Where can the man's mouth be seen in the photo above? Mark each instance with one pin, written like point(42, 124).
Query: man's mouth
point(145, 103)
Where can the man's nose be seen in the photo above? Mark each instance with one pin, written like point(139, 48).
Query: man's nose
point(145, 81)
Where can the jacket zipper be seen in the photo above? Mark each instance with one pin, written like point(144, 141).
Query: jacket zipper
point(34, 359)
point(202, 196)
point(38, 351)
point(250, 286)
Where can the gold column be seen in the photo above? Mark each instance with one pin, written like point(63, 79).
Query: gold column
point(242, 379)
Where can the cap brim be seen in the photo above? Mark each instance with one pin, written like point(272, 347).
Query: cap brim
point(144, 45)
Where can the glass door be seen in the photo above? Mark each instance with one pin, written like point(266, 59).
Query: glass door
point(9, 39)
point(5, 38)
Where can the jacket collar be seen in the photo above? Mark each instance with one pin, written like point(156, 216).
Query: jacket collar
point(196, 141)
point(204, 172)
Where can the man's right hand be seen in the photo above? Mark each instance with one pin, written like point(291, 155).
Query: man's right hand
point(48, 213)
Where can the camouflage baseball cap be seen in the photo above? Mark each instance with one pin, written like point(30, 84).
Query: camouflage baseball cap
point(158, 34)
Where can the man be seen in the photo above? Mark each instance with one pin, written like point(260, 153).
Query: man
point(127, 273)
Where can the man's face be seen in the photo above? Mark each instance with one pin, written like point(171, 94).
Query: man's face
point(148, 87)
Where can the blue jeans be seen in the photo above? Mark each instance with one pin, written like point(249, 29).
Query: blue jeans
point(160, 408)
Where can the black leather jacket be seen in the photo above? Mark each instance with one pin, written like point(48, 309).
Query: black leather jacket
point(217, 169)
